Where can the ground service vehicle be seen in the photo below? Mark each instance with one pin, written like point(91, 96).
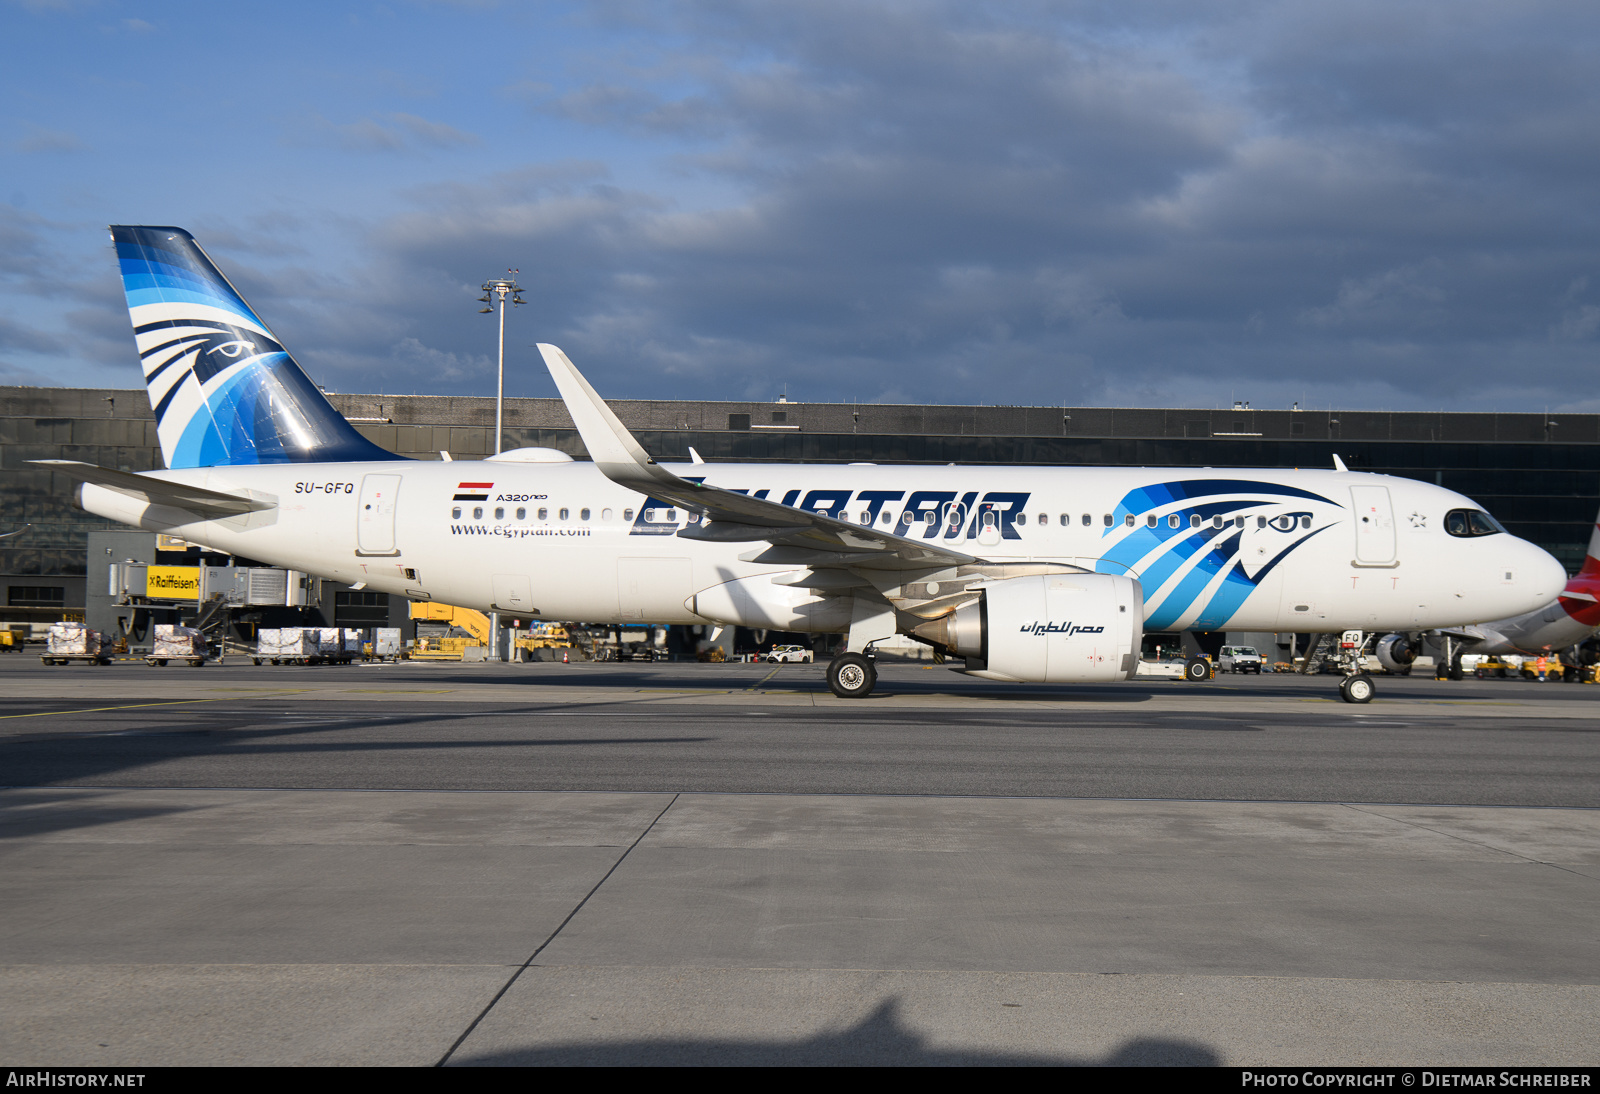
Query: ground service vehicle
point(1239, 659)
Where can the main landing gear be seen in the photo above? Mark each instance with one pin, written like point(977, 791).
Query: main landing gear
point(852, 676)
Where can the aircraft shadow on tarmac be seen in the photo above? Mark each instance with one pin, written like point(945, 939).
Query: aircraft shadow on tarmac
point(42, 814)
point(881, 1039)
point(88, 757)
point(898, 679)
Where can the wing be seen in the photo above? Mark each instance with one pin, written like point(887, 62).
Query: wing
point(793, 537)
point(209, 503)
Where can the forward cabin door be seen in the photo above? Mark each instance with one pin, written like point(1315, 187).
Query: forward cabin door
point(375, 515)
point(1374, 520)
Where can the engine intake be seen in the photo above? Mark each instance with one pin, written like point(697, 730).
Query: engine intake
point(1395, 653)
point(1053, 629)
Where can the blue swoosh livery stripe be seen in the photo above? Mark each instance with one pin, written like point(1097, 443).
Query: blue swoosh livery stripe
point(1165, 551)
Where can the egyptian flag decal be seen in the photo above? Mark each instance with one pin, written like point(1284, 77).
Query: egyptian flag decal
point(468, 491)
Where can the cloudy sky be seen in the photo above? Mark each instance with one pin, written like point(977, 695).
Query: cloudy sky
point(1377, 204)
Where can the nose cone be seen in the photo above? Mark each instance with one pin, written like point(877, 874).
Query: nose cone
point(1536, 578)
point(1548, 576)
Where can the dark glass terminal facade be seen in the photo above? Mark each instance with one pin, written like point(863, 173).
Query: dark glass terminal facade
point(1538, 474)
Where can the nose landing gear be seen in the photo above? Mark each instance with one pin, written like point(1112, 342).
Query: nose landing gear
point(1357, 689)
point(1357, 686)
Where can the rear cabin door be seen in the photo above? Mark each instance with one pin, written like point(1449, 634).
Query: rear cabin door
point(1374, 520)
point(375, 515)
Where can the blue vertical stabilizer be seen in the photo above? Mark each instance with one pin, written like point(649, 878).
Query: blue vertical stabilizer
point(224, 390)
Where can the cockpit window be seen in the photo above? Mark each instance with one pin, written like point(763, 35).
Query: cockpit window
point(1470, 522)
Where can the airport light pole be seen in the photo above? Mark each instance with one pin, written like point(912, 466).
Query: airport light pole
point(499, 288)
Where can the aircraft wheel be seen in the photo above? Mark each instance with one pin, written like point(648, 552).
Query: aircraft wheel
point(852, 676)
point(1197, 669)
point(1357, 689)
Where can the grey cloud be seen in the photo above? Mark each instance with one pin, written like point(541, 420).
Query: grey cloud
point(393, 132)
point(1381, 204)
point(40, 139)
point(17, 336)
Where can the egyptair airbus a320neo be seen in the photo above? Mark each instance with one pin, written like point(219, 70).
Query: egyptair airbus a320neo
point(1047, 574)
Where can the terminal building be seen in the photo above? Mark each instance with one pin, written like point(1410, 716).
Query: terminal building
point(1539, 474)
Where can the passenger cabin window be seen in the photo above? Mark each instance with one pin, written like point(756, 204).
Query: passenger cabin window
point(605, 514)
point(563, 514)
point(1066, 519)
point(583, 514)
point(1261, 522)
point(477, 512)
point(1150, 521)
point(1087, 520)
point(544, 514)
point(499, 512)
point(1468, 523)
point(1194, 520)
point(627, 514)
point(1128, 520)
point(1044, 519)
point(522, 514)
point(455, 514)
point(1172, 521)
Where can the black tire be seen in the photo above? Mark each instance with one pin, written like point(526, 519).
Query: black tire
point(852, 676)
point(162, 661)
point(1197, 669)
point(1357, 689)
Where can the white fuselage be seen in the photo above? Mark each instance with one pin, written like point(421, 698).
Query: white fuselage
point(1258, 550)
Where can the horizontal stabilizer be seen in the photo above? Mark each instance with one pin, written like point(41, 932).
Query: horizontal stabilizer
point(210, 503)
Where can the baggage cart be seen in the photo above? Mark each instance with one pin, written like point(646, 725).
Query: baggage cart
point(74, 642)
point(175, 643)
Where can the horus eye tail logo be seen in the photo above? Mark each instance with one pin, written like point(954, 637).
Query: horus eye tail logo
point(224, 390)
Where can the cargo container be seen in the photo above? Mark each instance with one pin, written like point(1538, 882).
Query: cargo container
point(74, 642)
point(175, 643)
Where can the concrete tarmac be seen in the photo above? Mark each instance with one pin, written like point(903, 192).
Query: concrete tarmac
point(182, 887)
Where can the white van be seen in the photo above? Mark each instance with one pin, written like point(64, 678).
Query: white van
point(1239, 659)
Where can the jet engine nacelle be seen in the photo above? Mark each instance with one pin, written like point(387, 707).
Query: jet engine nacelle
point(1053, 628)
point(1396, 653)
